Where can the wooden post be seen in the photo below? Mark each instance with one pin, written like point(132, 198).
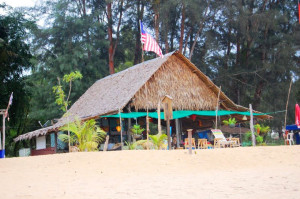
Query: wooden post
point(55, 137)
point(147, 118)
point(129, 126)
point(168, 133)
point(168, 113)
point(190, 140)
point(2, 112)
point(217, 107)
point(158, 118)
point(177, 131)
point(251, 125)
point(147, 129)
point(106, 143)
point(121, 132)
point(3, 132)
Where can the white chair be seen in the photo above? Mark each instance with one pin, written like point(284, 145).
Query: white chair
point(289, 139)
point(220, 140)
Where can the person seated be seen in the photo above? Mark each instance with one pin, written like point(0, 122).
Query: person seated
point(174, 142)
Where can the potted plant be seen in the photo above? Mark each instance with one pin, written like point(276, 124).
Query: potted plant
point(230, 122)
point(136, 131)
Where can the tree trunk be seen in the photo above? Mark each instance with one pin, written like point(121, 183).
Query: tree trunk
point(138, 46)
point(109, 31)
point(182, 27)
point(198, 33)
point(228, 48)
point(186, 40)
point(156, 19)
point(257, 94)
point(81, 4)
point(238, 50)
point(166, 38)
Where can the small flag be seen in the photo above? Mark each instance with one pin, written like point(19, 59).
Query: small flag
point(149, 43)
point(9, 103)
point(10, 99)
point(299, 10)
point(297, 115)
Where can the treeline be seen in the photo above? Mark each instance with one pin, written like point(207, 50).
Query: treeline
point(251, 48)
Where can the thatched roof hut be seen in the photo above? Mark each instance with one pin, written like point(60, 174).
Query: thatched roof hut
point(144, 85)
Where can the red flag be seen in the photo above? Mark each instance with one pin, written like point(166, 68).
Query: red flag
point(297, 115)
point(149, 43)
point(299, 10)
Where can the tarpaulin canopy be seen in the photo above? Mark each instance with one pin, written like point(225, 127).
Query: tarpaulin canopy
point(181, 114)
point(292, 127)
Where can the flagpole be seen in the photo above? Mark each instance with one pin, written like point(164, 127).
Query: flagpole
point(147, 118)
point(217, 107)
point(3, 137)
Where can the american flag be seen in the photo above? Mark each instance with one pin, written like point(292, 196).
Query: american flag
point(149, 43)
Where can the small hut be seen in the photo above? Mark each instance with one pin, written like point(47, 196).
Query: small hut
point(142, 86)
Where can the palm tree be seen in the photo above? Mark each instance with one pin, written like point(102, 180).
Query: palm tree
point(158, 140)
point(86, 135)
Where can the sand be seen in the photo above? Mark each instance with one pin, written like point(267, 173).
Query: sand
point(245, 172)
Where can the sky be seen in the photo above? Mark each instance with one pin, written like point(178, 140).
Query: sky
point(19, 3)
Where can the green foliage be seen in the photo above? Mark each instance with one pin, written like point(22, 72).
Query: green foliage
point(259, 139)
point(248, 47)
point(60, 94)
point(15, 58)
point(229, 121)
point(131, 146)
point(85, 135)
point(248, 136)
point(136, 129)
point(72, 76)
point(158, 140)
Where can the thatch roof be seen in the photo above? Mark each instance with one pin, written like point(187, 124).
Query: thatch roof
point(172, 75)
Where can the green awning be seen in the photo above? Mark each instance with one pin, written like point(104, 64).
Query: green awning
point(181, 114)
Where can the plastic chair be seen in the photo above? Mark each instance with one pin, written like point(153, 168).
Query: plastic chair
point(289, 139)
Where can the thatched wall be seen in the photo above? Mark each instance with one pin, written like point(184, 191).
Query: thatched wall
point(176, 79)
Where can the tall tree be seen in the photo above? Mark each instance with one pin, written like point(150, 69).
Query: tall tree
point(113, 44)
point(15, 59)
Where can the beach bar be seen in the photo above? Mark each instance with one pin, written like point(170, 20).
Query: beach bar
point(141, 88)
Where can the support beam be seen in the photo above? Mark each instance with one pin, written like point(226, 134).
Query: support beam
point(190, 140)
point(2, 112)
point(177, 132)
point(252, 125)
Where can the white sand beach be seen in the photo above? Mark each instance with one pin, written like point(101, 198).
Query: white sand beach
point(248, 172)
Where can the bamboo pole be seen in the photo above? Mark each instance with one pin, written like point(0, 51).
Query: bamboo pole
point(2, 112)
point(168, 126)
point(217, 107)
point(251, 125)
point(177, 132)
point(158, 118)
point(121, 133)
point(129, 126)
point(190, 140)
point(3, 132)
point(147, 118)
